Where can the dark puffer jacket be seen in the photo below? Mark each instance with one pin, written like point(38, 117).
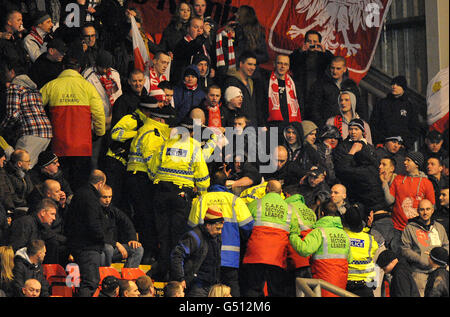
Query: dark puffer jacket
point(322, 99)
point(359, 174)
point(22, 184)
point(395, 116)
point(189, 257)
point(186, 99)
point(24, 270)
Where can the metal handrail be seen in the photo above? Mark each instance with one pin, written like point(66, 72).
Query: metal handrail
point(304, 288)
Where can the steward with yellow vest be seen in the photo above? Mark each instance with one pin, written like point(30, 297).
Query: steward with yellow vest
point(361, 271)
point(177, 167)
point(329, 246)
point(238, 222)
point(265, 256)
point(76, 113)
point(297, 265)
point(147, 141)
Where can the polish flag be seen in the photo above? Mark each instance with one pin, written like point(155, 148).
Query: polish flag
point(142, 60)
point(438, 102)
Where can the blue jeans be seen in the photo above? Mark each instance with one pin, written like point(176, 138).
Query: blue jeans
point(113, 254)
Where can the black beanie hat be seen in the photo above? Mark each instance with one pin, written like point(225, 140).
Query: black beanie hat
point(45, 158)
point(416, 157)
point(400, 81)
point(40, 17)
point(385, 257)
point(439, 255)
point(358, 123)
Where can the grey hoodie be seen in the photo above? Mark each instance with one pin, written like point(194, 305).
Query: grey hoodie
point(24, 81)
point(330, 121)
point(417, 241)
point(23, 253)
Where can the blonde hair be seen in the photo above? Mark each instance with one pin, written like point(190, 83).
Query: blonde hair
point(219, 290)
point(6, 263)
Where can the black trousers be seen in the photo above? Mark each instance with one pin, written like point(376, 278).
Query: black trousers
point(255, 276)
point(141, 192)
point(359, 288)
point(172, 206)
point(89, 262)
point(116, 175)
point(230, 277)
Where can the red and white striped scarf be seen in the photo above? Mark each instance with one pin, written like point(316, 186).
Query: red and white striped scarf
point(274, 100)
point(34, 33)
point(110, 86)
point(155, 79)
point(219, 49)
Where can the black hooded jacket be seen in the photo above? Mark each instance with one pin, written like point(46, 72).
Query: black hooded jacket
point(359, 174)
point(322, 100)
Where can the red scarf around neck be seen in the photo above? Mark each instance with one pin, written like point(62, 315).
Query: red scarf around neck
point(34, 33)
point(214, 117)
point(110, 86)
point(274, 100)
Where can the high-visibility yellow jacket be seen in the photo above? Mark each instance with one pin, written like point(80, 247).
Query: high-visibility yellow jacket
point(180, 161)
point(125, 130)
point(75, 106)
point(268, 243)
point(255, 192)
point(363, 247)
point(150, 137)
point(238, 220)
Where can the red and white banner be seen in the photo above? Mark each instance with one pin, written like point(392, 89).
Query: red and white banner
point(349, 28)
point(142, 60)
point(438, 101)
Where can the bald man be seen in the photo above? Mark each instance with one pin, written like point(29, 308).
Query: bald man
point(199, 114)
point(273, 186)
point(266, 254)
point(32, 288)
point(286, 172)
point(338, 196)
point(420, 235)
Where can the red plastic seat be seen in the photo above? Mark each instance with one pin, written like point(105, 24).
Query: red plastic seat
point(56, 277)
point(54, 273)
point(129, 273)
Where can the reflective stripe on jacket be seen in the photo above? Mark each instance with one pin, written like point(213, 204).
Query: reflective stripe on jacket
point(180, 161)
point(150, 137)
point(329, 246)
point(237, 217)
point(363, 247)
point(306, 218)
point(124, 130)
point(268, 243)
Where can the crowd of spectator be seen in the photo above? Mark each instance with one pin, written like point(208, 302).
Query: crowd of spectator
point(102, 163)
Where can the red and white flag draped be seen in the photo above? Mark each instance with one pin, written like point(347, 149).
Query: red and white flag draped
point(142, 60)
point(437, 101)
point(349, 28)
